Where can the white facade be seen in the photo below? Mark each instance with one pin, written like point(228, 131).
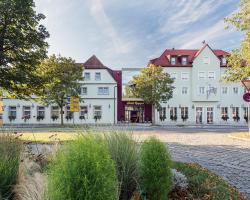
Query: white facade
point(98, 98)
point(200, 95)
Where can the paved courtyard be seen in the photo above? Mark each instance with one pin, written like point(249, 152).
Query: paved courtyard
point(227, 157)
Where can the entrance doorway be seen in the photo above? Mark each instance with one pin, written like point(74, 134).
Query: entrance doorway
point(198, 115)
point(134, 113)
point(210, 115)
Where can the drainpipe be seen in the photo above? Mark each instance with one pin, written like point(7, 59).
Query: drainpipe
point(114, 102)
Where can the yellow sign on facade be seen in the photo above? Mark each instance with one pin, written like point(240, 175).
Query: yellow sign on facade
point(74, 104)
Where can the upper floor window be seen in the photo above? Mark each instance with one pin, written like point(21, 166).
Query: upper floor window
point(86, 76)
point(235, 90)
point(103, 90)
point(224, 90)
point(211, 75)
point(84, 91)
point(184, 75)
point(97, 76)
point(206, 60)
point(173, 75)
point(201, 90)
point(184, 90)
point(184, 60)
point(173, 60)
point(201, 75)
point(223, 61)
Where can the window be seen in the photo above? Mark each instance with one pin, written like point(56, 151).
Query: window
point(184, 60)
point(84, 91)
point(184, 90)
point(184, 75)
point(235, 90)
point(54, 112)
point(26, 112)
point(223, 61)
point(97, 76)
point(224, 90)
point(97, 112)
point(173, 113)
point(236, 116)
point(211, 75)
point(206, 60)
point(69, 114)
point(173, 75)
point(224, 113)
point(40, 111)
point(246, 113)
point(162, 113)
point(83, 112)
point(86, 76)
point(184, 113)
point(12, 112)
point(201, 75)
point(103, 90)
point(201, 91)
point(173, 60)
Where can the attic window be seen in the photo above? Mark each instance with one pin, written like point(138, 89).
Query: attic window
point(223, 61)
point(206, 60)
point(184, 60)
point(173, 60)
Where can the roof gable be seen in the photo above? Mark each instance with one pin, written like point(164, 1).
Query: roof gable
point(93, 63)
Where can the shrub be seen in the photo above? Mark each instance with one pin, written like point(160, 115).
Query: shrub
point(154, 169)
point(10, 150)
point(179, 180)
point(124, 151)
point(82, 170)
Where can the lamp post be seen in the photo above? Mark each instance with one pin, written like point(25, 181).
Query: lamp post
point(115, 87)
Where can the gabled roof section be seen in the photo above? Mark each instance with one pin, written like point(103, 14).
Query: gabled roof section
point(191, 54)
point(93, 63)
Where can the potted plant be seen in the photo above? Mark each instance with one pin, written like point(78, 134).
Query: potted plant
point(12, 118)
point(246, 118)
point(68, 117)
point(97, 117)
point(38, 118)
point(82, 117)
point(54, 117)
point(26, 117)
point(173, 118)
point(236, 118)
point(162, 118)
point(184, 118)
point(225, 118)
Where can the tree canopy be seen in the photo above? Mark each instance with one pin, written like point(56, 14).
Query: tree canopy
point(239, 60)
point(61, 78)
point(22, 45)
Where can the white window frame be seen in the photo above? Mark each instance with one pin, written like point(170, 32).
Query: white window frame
point(55, 112)
point(174, 75)
point(98, 76)
point(84, 111)
point(224, 61)
point(211, 77)
point(40, 109)
point(85, 77)
point(184, 90)
point(199, 90)
point(95, 111)
point(235, 90)
point(173, 60)
point(201, 77)
point(82, 89)
point(13, 109)
point(184, 60)
point(183, 77)
point(103, 91)
point(224, 90)
point(26, 109)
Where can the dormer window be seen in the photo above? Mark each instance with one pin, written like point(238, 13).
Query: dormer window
point(223, 61)
point(173, 60)
point(184, 60)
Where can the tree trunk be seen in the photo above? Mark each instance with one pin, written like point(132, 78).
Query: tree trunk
point(61, 113)
point(153, 114)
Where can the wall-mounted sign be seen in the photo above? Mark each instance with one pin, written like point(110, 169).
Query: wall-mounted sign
point(134, 103)
point(74, 104)
point(246, 97)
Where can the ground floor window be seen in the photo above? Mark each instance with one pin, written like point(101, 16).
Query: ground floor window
point(40, 112)
point(236, 116)
point(246, 113)
point(97, 112)
point(184, 113)
point(12, 113)
point(54, 112)
point(198, 115)
point(162, 113)
point(26, 112)
point(69, 114)
point(83, 112)
point(134, 113)
point(210, 115)
point(173, 113)
point(224, 113)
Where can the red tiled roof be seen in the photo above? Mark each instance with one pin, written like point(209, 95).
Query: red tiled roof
point(164, 59)
point(93, 63)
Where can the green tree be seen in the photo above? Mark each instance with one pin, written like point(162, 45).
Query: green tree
point(61, 78)
point(152, 85)
point(22, 45)
point(239, 60)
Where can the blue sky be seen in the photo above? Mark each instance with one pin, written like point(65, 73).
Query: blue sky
point(127, 33)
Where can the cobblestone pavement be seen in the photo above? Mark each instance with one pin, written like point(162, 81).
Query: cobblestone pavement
point(227, 157)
